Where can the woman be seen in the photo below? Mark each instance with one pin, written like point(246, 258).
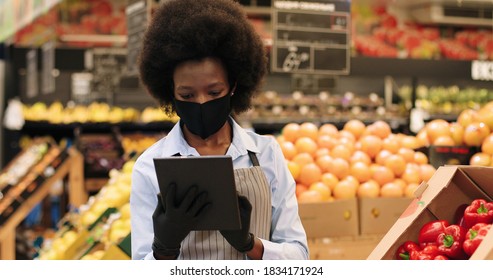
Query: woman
point(203, 60)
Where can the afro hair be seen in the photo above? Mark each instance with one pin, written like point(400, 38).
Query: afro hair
point(183, 30)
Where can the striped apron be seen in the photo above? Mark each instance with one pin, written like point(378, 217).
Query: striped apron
point(211, 245)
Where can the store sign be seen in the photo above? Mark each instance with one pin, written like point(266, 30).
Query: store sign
point(298, 5)
point(32, 73)
point(482, 70)
point(48, 68)
point(109, 65)
point(136, 13)
point(311, 36)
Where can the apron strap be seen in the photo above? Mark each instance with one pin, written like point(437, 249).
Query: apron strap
point(253, 158)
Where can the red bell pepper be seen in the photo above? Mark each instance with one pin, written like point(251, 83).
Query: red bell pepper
point(474, 237)
point(430, 231)
point(479, 211)
point(450, 242)
point(429, 252)
point(459, 215)
point(405, 250)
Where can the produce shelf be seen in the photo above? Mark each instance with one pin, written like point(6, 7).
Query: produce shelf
point(429, 68)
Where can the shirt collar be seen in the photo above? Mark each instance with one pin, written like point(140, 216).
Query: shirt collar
point(175, 142)
point(242, 142)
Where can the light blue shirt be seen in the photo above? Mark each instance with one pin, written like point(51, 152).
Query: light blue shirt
point(288, 238)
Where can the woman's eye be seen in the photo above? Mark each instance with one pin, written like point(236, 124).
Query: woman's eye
point(215, 93)
point(186, 96)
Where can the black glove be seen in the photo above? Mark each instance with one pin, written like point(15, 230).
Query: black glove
point(174, 220)
point(242, 240)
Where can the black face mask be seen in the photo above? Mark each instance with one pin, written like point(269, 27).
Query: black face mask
point(204, 119)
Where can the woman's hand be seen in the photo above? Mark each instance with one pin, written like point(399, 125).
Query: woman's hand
point(173, 221)
point(242, 240)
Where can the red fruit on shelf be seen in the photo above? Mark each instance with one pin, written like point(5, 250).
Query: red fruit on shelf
point(388, 20)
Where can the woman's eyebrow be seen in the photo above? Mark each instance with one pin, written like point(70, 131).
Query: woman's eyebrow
point(216, 84)
point(212, 85)
point(184, 87)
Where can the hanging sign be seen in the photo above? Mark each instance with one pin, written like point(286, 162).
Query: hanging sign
point(32, 73)
point(136, 13)
point(311, 36)
point(48, 68)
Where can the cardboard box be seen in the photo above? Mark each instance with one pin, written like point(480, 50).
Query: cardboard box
point(449, 188)
point(343, 248)
point(377, 215)
point(330, 219)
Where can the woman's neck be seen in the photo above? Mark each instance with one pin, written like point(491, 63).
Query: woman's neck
point(218, 143)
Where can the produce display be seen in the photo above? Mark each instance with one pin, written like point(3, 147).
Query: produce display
point(95, 17)
point(100, 224)
point(442, 240)
point(439, 132)
point(378, 32)
point(96, 112)
point(25, 173)
point(357, 161)
point(24, 162)
point(138, 142)
point(330, 151)
point(102, 153)
point(448, 100)
point(473, 130)
point(271, 106)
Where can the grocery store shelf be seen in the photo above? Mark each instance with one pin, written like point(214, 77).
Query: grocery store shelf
point(258, 11)
point(103, 126)
point(267, 125)
point(69, 167)
point(89, 38)
point(395, 67)
point(273, 125)
point(447, 117)
point(73, 59)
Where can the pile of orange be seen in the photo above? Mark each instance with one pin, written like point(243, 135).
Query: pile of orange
point(357, 161)
point(473, 128)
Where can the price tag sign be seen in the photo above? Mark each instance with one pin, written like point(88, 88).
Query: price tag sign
point(48, 67)
point(311, 36)
point(32, 73)
point(482, 70)
point(109, 66)
point(136, 13)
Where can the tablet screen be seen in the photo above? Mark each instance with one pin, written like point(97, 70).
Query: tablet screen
point(213, 174)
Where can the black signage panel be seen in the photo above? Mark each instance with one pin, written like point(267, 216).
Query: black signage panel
point(311, 36)
point(295, 58)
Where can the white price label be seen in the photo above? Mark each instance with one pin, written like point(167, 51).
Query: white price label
point(482, 70)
